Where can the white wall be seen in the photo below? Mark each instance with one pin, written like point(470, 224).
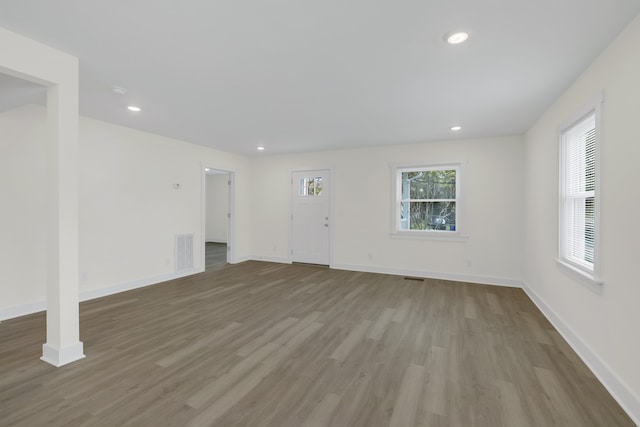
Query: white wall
point(23, 211)
point(361, 223)
point(129, 211)
point(602, 326)
point(217, 208)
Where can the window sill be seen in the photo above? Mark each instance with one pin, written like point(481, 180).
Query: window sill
point(585, 278)
point(437, 236)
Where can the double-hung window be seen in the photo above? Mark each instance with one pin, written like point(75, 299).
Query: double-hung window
point(578, 233)
point(426, 200)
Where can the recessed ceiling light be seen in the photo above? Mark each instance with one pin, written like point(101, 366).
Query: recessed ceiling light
point(207, 169)
point(456, 38)
point(119, 90)
point(456, 128)
point(260, 148)
point(133, 108)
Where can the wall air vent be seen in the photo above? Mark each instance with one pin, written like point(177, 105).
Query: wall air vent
point(183, 252)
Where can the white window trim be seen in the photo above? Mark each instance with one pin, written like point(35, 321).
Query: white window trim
point(576, 270)
point(396, 193)
point(579, 274)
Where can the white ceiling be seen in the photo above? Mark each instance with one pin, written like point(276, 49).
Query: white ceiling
point(301, 75)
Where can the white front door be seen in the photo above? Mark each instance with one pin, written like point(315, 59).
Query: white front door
point(310, 216)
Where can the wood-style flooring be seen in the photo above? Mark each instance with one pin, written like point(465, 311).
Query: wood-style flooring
point(215, 255)
point(261, 344)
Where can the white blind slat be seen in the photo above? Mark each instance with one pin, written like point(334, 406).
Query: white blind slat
point(578, 198)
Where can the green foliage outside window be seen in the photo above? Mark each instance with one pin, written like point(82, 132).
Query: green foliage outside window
point(428, 200)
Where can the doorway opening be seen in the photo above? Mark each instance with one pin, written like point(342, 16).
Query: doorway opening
point(217, 230)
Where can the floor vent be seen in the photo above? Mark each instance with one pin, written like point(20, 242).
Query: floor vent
point(416, 279)
point(184, 252)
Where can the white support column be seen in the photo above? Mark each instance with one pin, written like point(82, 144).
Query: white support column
point(27, 59)
point(63, 344)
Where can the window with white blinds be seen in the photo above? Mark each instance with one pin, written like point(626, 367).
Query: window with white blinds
point(578, 194)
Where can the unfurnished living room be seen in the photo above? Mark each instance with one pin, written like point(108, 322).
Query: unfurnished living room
point(319, 213)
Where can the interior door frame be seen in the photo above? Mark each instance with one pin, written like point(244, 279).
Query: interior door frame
point(330, 169)
point(231, 250)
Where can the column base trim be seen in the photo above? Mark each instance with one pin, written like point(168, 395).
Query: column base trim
point(62, 356)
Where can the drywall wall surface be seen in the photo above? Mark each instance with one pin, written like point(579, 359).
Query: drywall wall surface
point(138, 191)
point(217, 207)
point(604, 321)
point(492, 184)
point(130, 210)
point(23, 211)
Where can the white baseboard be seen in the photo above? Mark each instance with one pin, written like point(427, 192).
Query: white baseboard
point(279, 260)
point(35, 307)
point(62, 356)
point(123, 287)
point(625, 397)
point(467, 278)
point(238, 260)
point(22, 310)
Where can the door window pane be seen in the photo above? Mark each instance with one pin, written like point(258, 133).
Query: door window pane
point(311, 186)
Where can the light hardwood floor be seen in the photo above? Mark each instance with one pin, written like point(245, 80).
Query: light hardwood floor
point(260, 344)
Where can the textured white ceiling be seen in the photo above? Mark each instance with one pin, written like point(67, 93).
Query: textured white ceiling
point(301, 75)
